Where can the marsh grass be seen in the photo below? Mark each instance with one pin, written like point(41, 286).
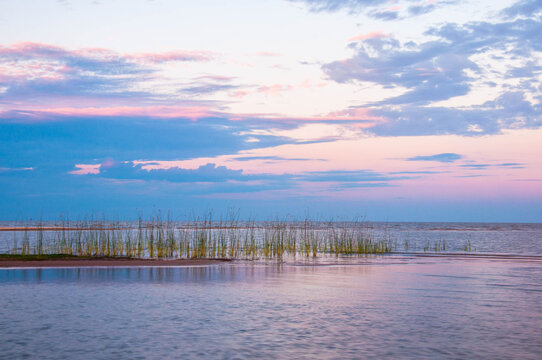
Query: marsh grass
point(437, 246)
point(207, 237)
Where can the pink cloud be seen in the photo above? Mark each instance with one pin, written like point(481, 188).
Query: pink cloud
point(355, 114)
point(86, 169)
point(26, 48)
point(307, 84)
point(274, 90)
point(218, 78)
point(371, 35)
point(190, 112)
point(92, 169)
point(179, 55)
point(267, 54)
point(46, 52)
point(32, 50)
point(238, 94)
point(108, 163)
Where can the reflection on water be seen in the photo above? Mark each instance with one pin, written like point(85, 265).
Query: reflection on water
point(382, 308)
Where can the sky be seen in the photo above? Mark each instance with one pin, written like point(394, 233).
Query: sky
point(389, 110)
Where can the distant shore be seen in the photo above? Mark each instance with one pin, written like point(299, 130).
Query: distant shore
point(55, 228)
point(19, 261)
point(94, 228)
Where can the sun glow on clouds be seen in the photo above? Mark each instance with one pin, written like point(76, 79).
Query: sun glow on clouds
point(386, 155)
point(314, 132)
point(371, 35)
point(190, 112)
point(86, 169)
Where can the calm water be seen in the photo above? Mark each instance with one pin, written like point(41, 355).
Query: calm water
point(484, 237)
point(376, 307)
point(398, 306)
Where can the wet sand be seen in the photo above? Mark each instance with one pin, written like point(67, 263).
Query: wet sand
point(107, 262)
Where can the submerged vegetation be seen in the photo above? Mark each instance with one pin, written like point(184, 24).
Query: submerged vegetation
point(206, 238)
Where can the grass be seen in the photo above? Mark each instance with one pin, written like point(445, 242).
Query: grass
point(206, 237)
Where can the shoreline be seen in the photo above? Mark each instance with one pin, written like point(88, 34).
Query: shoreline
point(75, 262)
point(57, 228)
point(62, 261)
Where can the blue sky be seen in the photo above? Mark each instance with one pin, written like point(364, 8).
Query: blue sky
point(391, 110)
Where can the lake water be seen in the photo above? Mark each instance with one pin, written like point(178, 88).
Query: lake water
point(393, 306)
point(491, 238)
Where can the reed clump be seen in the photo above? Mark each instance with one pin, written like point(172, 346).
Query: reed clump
point(202, 237)
point(437, 246)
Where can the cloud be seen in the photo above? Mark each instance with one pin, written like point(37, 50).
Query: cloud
point(431, 71)
point(381, 10)
point(345, 176)
point(527, 8)
point(215, 78)
point(209, 84)
point(210, 172)
point(213, 179)
point(207, 88)
point(476, 166)
point(335, 5)
point(184, 55)
point(273, 158)
point(445, 67)
point(421, 9)
point(444, 158)
point(429, 66)
point(274, 90)
point(86, 169)
point(191, 110)
point(511, 165)
point(358, 185)
point(370, 35)
point(205, 173)
point(206, 179)
point(386, 15)
point(68, 140)
point(417, 172)
point(6, 169)
point(486, 166)
point(35, 74)
point(508, 111)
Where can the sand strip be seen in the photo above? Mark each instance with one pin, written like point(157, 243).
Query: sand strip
point(101, 262)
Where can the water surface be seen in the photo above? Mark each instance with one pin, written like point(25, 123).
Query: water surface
point(375, 307)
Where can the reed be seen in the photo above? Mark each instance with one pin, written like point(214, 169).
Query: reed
point(205, 237)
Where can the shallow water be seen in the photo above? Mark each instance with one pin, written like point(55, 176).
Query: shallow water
point(374, 307)
point(501, 238)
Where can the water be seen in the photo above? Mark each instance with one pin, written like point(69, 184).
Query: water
point(374, 308)
point(393, 306)
point(495, 238)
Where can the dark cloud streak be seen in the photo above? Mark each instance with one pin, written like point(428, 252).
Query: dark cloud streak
point(444, 158)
